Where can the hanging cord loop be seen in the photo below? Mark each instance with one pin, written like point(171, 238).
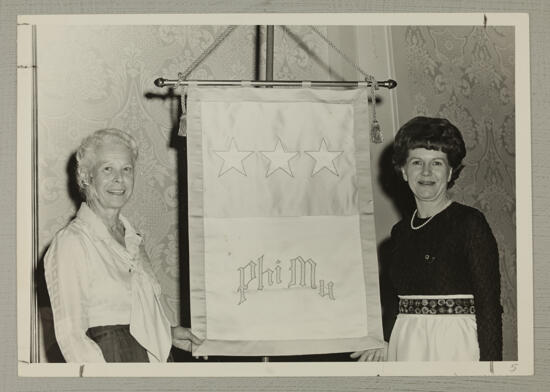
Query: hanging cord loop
point(182, 76)
point(217, 41)
point(376, 133)
point(340, 52)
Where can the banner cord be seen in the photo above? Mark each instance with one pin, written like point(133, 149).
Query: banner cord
point(376, 133)
point(217, 41)
point(341, 53)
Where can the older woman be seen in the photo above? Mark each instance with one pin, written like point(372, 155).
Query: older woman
point(105, 297)
point(445, 263)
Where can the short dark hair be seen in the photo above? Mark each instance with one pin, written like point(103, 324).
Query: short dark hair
point(432, 134)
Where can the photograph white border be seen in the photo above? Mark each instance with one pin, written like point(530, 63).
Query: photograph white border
point(523, 366)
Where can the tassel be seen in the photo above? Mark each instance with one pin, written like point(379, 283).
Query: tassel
point(183, 125)
point(182, 131)
point(375, 131)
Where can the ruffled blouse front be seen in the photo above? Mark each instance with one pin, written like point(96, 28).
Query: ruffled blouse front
point(93, 280)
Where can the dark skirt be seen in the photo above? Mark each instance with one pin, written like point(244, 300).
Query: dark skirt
point(117, 344)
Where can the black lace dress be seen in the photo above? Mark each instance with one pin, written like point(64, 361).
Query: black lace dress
point(454, 253)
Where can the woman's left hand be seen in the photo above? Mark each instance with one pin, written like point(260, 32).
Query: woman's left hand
point(183, 338)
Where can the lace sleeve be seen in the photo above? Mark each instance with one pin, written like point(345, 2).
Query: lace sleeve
point(483, 262)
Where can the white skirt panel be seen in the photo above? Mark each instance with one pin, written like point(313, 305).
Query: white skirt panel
point(438, 337)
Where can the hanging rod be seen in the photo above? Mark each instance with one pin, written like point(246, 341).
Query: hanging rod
point(161, 82)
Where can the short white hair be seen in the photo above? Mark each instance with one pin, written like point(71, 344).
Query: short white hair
point(86, 153)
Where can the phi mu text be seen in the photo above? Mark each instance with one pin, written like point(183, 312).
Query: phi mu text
point(302, 274)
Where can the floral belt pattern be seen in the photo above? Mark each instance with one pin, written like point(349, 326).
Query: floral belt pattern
point(437, 306)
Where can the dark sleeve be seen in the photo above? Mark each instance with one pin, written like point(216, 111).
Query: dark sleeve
point(483, 261)
point(388, 294)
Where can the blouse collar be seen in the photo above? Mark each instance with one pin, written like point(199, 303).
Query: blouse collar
point(98, 228)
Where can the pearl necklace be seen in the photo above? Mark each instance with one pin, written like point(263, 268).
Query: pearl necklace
point(429, 219)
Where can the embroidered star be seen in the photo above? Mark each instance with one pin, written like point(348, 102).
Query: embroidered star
point(233, 159)
point(324, 159)
point(279, 159)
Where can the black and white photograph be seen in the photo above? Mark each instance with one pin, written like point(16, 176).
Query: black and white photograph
point(274, 195)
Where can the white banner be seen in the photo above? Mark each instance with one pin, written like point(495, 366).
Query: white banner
point(283, 254)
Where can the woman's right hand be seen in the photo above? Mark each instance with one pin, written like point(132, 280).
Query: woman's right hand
point(183, 338)
point(371, 355)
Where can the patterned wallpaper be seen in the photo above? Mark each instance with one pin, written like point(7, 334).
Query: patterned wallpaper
point(466, 74)
point(92, 77)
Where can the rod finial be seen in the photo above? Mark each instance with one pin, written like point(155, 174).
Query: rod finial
point(160, 82)
point(391, 83)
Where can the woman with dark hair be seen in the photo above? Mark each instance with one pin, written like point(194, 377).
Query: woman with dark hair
point(444, 262)
point(104, 294)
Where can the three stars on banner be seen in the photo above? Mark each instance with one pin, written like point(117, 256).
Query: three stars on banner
point(279, 159)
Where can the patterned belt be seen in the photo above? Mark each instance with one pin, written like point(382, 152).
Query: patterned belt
point(437, 306)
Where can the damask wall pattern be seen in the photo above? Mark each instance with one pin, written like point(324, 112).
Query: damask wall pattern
point(466, 74)
point(93, 77)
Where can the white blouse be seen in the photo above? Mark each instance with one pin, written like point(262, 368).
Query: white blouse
point(93, 281)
